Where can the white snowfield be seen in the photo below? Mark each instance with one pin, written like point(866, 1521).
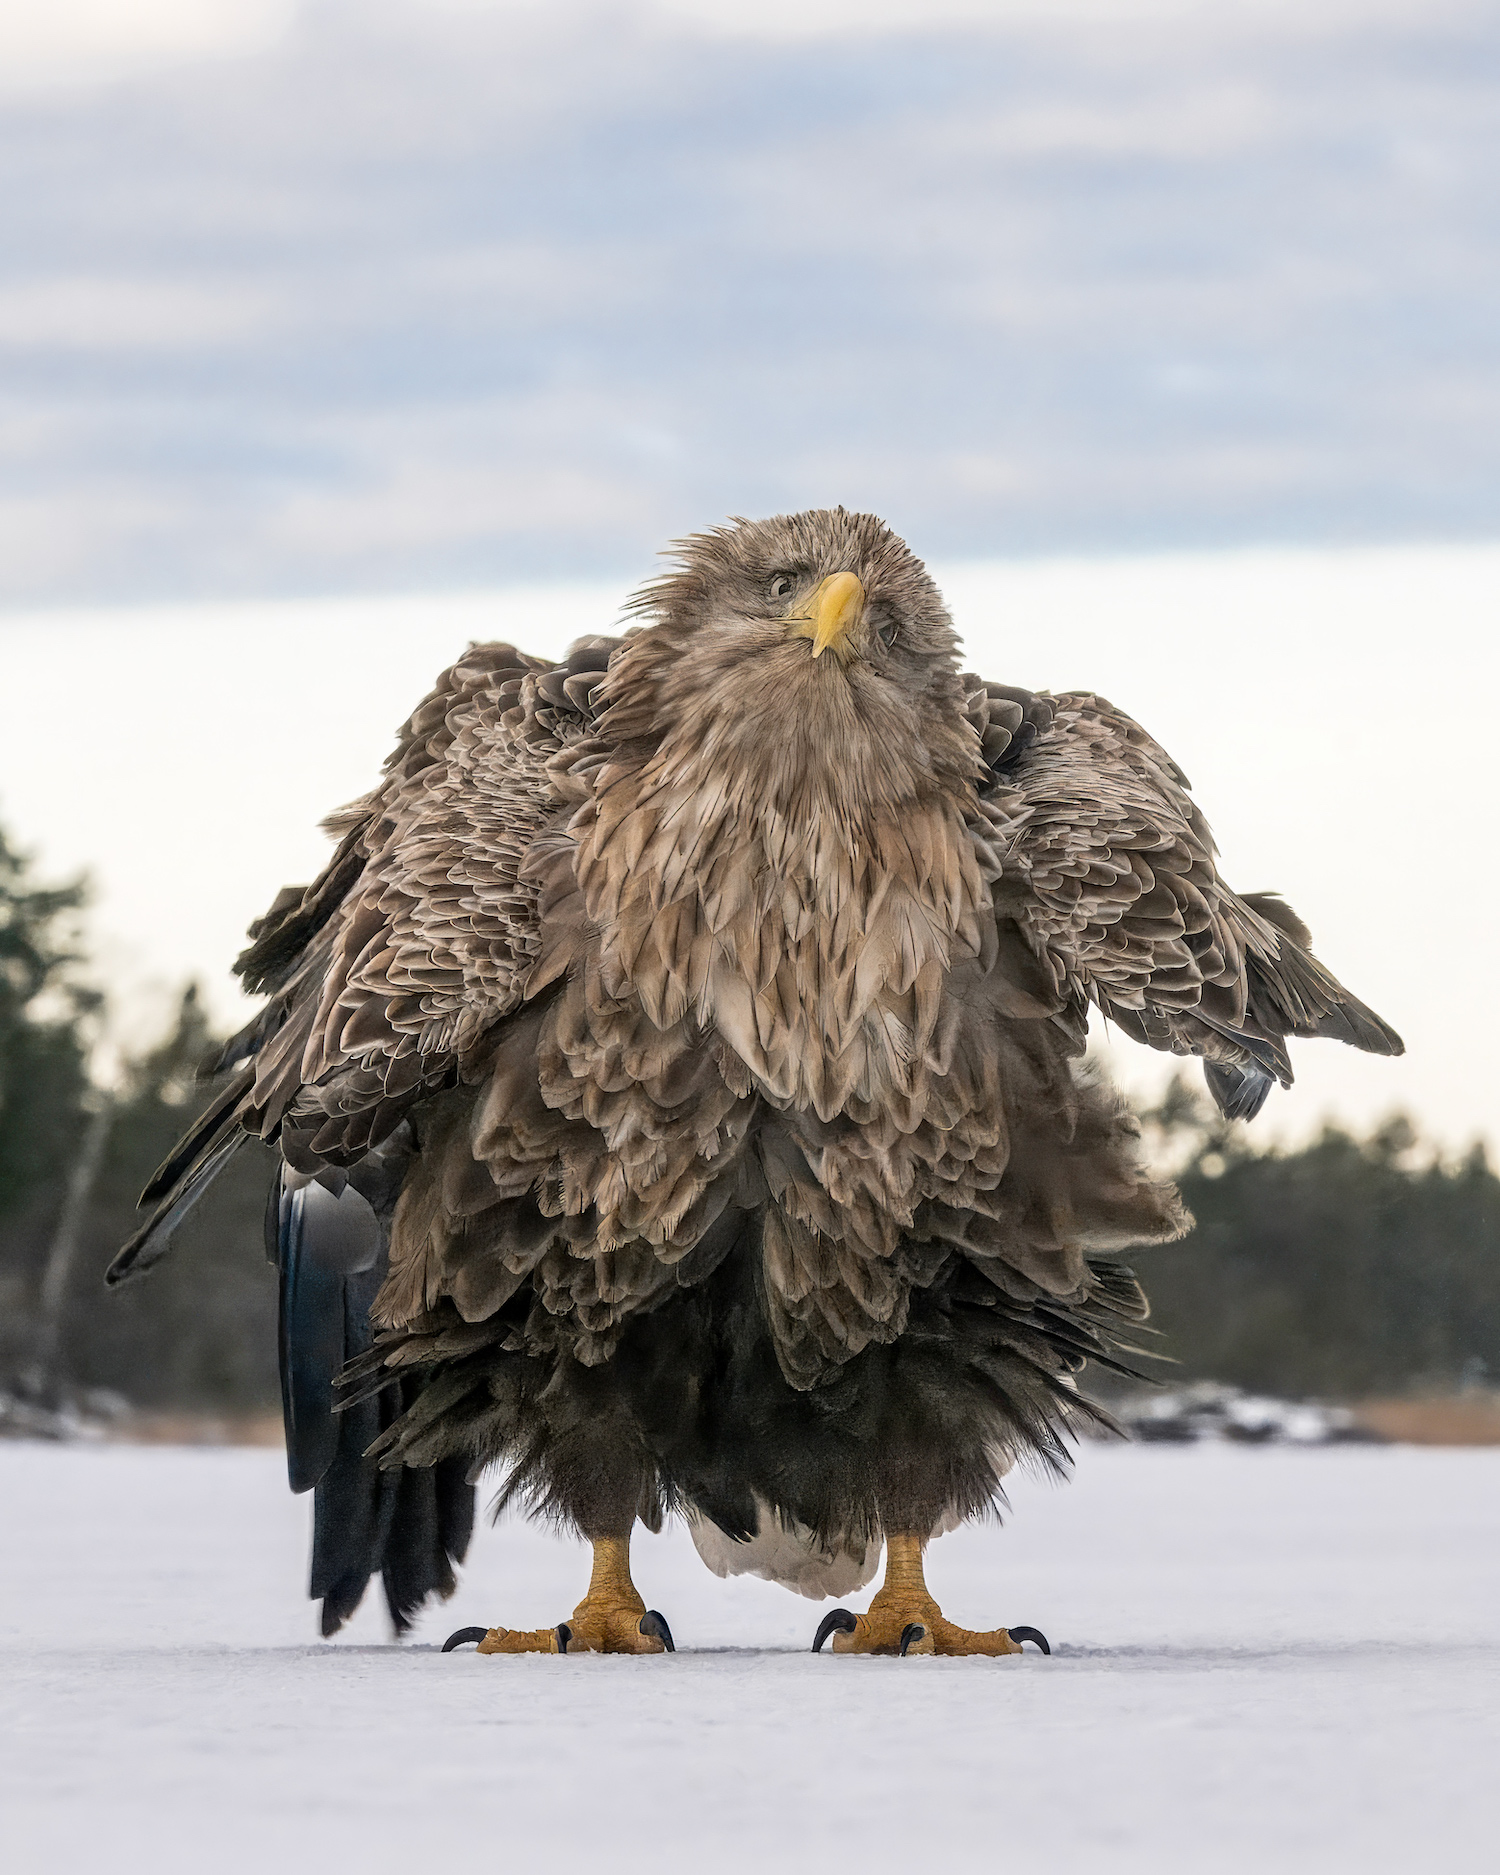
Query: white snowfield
point(1264, 1660)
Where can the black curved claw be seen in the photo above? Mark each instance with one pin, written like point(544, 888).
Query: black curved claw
point(910, 1635)
point(837, 1619)
point(1029, 1634)
point(564, 1635)
point(656, 1626)
point(463, 1637)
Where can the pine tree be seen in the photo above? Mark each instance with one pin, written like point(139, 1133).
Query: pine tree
point(199, 1333)
point(44, 1045)
point(46, 1015)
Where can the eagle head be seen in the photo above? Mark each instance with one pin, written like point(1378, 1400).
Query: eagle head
point(807, 663)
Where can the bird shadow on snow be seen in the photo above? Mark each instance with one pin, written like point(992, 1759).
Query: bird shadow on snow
point(1188, 1657)
point(1174, 1657)
point(1067, 1660)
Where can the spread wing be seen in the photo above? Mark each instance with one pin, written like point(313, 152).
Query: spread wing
point(1109, 869)
point(386, 974)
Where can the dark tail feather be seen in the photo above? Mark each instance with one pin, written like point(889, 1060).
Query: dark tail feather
point(328, 1251)
point(408, 1526)
point(354, 1511)
point(152, 1241)
point(429, 1533)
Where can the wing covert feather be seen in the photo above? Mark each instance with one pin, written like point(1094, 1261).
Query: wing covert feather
point(387, 972)
point(1109, 868)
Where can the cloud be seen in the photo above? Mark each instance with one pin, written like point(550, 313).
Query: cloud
point(120, 315)
point(411, 294)
point(100, 41)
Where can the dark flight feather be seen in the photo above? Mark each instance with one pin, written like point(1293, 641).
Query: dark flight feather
point(1239, 1092)
point(147, 1246)
point(410, 1528)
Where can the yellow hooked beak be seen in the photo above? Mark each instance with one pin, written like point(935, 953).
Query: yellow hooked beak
point(829, 614)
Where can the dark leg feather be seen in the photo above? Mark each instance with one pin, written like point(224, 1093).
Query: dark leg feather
point(693, 1408)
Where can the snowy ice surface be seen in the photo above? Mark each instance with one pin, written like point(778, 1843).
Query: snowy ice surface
point(1264, 1659)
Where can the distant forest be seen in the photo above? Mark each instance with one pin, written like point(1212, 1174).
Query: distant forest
point(1350, 1268)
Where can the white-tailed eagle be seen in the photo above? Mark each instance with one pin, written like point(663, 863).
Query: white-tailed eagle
point(676, 1078)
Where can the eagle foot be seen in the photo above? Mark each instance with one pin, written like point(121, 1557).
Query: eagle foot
point(904, 1619)
point(611, 1618)
point(525, 1640)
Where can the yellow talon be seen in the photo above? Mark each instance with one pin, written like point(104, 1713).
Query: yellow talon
point(904, 1619)
point(611, 1618)
point(520, 1641)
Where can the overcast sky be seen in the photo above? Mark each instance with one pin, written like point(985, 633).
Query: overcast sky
point(368, 294)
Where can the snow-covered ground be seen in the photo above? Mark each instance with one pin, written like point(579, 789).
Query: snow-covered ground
point(1264, 1659)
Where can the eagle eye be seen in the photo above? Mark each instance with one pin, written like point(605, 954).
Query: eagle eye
point(886, 630)
point(780, 586)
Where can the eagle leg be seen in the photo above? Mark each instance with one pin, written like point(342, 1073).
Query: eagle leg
point(904, 1619)
point(611, 1618)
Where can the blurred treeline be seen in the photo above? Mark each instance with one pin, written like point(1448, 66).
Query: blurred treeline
point(1348, 1268)
point(198, 1334)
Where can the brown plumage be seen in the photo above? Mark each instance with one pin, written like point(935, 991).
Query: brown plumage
point(701, 1020)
